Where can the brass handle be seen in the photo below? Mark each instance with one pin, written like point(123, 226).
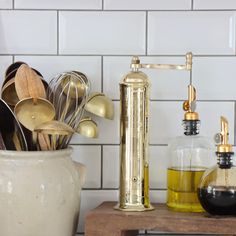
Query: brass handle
point(135, 64)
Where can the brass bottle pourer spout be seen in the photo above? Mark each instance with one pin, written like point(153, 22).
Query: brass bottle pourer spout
point(190, 105)
point(222, 137)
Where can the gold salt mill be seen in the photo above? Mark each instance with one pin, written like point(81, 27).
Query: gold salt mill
point(134, 122)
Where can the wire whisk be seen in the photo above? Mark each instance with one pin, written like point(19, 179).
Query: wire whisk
point(68, 92)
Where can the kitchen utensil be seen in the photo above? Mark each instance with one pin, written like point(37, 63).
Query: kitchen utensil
point(11, 70)
point(43, 142)
point(10, 129)
point(2, 144)
point(88, 128)
point(28, 83)
point(8, 93)
point(68, 94)
point(55, 129)
point(32, 112)
point(100, 105)
point(134, 123)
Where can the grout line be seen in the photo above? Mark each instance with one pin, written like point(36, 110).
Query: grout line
point(112, 144)
point(102, 4)
point(200, 100)
point(116, 144)
point(13, 4)
point(93, 144)
point(13, 58)
point(113, 55)
point(115, 189)
point(181, 100)
point(57, 32)
point(102, 82)
point(192, 2)
point(146, 34)
point(102, 166)
point(234, 123)
point(94, 189)
point(118, 10)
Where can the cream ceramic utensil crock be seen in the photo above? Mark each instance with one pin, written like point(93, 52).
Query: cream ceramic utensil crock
point(39, 193)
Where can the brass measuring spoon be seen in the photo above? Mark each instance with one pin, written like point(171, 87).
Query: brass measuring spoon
point(100, 105)
point(88, 128)
point(32, 112)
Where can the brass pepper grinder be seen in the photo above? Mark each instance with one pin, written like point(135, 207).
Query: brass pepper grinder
point(134, 122)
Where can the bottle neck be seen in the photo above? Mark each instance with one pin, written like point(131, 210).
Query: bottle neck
point(225, 159)
point(191, 127)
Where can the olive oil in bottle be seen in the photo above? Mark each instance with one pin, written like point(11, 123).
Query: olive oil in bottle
point(189, 156)
point(182, 189)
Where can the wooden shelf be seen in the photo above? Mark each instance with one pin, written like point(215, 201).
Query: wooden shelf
point(105, 221)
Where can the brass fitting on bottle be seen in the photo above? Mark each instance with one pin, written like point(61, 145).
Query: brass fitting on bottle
point(223, 136)
point(190, 105)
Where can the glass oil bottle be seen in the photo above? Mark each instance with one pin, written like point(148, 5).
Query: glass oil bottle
point(189, 156)
point(217, 189)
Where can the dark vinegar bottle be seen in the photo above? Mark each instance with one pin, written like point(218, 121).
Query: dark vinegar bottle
point(217, 189)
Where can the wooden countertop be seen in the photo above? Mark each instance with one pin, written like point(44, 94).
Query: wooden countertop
point(105, 221)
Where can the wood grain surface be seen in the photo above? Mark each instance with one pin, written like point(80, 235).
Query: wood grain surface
point(105, 221)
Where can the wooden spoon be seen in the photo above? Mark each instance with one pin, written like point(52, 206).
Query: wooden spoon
point(28, 83)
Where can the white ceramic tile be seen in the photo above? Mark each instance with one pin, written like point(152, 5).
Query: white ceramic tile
point(214, 77)
point(111, 166)
point(102, 32)
point(91, 199)
point(5, 4)
point(157, 196)
point(214, 4)
point(158, 163)
point(51, 66)
point(166, 119)
point(200, 32)
point(28, 32)
point(108, 130)
point(165, 84)
point(59, 4)
point(5, 61)
point(90, 156)
point(147, 5)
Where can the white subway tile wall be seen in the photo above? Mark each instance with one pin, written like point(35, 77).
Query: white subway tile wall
point(102, 32)
point(161, 87)
point(59, 4)
point(204, 33)
point(6, 4)
point(98, 38)
point(28, 32)
point(48, 66)
point(214, 4)
point(147, 5)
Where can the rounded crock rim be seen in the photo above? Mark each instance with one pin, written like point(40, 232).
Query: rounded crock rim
point(35, 154)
